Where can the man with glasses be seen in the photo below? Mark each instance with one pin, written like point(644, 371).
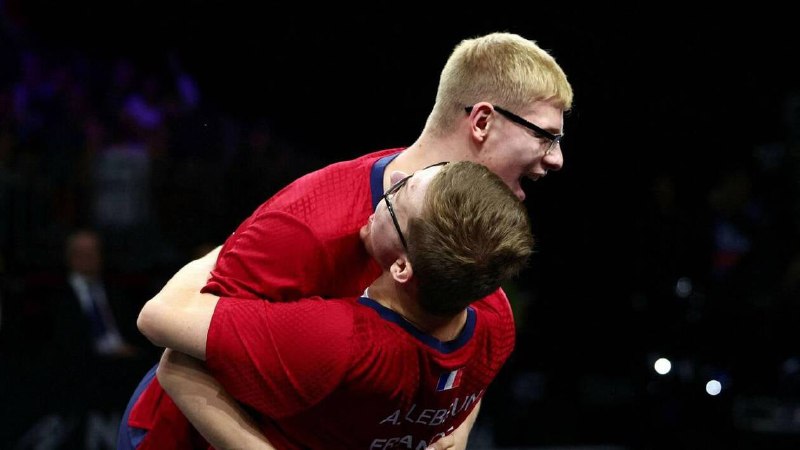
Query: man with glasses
point(401, 365)
point(305, 240)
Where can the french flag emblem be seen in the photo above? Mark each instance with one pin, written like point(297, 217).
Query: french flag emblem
point(449, 380)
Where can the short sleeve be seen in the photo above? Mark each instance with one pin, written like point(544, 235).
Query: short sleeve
point(271, 256)
point(280, 358)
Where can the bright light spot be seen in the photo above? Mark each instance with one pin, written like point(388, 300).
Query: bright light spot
point(713, 387)
point(662, 366)
point(683, 288)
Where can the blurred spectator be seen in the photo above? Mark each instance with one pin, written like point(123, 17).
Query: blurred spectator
point(86, 317)
point(75, 350)
point(122, 183)
point(122, 201)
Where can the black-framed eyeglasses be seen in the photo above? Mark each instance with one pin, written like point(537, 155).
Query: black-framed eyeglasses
point(553, 139)
point(390, 193)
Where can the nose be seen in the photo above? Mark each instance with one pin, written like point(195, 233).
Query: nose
point(553, 159)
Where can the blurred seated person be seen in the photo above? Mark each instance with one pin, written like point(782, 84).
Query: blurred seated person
point(88, 315)
point(78, 352)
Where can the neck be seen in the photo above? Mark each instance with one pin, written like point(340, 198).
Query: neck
point(393, 296)
point(429, 149)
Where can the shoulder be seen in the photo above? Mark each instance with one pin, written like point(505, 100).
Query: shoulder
point(340, 185)
point(296, 334)
point(495, 306)
point(271, 238)
point(325, 319)
point(366, 160)
point(312, 320)
point(495, 322)
point(337, 172)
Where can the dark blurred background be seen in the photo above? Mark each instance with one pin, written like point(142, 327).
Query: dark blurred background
point(671, 232)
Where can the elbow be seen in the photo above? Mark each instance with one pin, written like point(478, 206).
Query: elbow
point(148, 321)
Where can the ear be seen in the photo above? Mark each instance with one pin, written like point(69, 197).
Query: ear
point(401, 270)
point(480, 120)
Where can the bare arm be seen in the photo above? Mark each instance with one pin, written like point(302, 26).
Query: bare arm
point(457, 440)
point(461, 434)
point(217, 416)
point(178, 317)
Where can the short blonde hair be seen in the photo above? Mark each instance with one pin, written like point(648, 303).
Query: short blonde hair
point(501, 68)
point(472, 235)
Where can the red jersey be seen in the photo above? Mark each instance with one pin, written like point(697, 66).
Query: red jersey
point(352, 374)
point(286, 250)
point(304, 241)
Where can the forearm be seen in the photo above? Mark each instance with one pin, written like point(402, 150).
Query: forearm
point(206, 404)
point(461, 434)
point(182, 329)
point(178, 317)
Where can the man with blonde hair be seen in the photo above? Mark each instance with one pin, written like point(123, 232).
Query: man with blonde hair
point(500, 102)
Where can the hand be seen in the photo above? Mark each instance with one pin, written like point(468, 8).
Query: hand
point(445, 443)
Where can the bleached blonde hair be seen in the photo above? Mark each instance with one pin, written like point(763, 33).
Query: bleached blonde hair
point(501, 68)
